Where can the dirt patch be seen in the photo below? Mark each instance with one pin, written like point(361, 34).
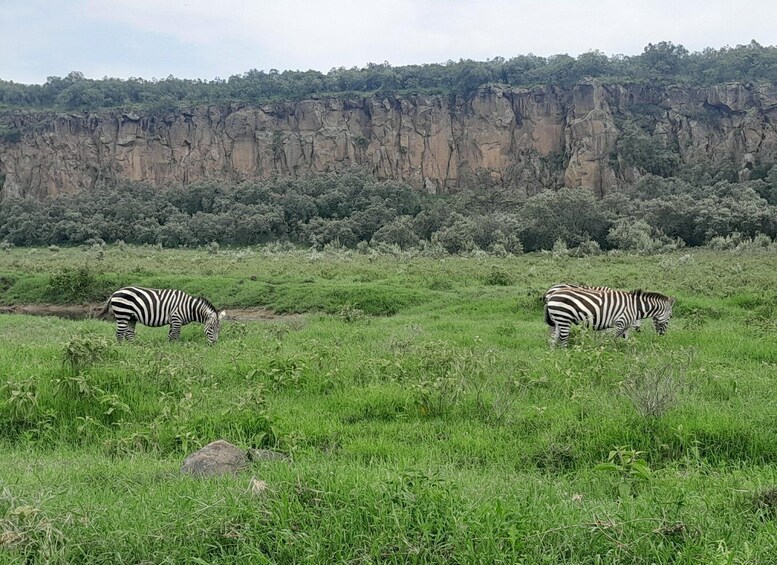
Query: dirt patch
point(68, 311)
point(87, 311)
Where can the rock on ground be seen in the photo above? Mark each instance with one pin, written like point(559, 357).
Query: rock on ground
point(217, 458)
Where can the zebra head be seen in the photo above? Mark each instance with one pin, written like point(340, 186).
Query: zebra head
point(213, 326)
point(662, 314)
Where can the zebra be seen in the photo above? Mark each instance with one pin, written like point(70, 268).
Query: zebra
point(159, 307)
point(636, 325)
point(605, 309)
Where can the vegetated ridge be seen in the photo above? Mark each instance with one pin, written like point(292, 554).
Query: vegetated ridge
point(595, 122)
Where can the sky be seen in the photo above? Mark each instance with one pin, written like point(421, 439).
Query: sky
point(210, 39)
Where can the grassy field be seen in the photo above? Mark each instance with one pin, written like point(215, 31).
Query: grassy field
point(427, 418)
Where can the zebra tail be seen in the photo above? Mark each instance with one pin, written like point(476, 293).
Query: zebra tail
point(547, 317)
point(103, 315)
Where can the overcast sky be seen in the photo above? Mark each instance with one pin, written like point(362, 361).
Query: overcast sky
point(219, 38)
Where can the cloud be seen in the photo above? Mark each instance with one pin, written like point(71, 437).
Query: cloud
point(204, 38)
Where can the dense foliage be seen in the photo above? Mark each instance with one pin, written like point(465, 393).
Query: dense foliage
point(354, 208)
point(661, 63)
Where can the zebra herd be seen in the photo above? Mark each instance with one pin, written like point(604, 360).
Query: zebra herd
point(599, 306)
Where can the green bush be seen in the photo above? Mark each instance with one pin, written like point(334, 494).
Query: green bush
point(77, 286)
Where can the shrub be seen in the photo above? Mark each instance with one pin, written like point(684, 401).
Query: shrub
point(399, 232)
point(738, 243)
point(498, 277)
point(655, 383)
point(638, 237)
point(74, 286)
point(83, 351)
point(586, 248)
point(456, 237)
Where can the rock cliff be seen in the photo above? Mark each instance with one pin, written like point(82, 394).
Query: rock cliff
point(542, 136)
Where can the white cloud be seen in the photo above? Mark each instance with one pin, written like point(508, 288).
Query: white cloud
point(204, 38)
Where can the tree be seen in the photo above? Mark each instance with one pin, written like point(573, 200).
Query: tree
point(573, 215)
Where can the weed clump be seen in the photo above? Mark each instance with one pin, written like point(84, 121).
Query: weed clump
point(350, 313)
point(765, 503)
point(655, 384)
point(498, 277)
point(26, 532)
point(82, 351)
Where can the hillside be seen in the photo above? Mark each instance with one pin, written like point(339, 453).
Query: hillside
point(593, 135)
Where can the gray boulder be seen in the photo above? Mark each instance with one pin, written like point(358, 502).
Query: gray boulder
point(217, 458)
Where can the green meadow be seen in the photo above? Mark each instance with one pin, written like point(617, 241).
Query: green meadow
point(426, 417)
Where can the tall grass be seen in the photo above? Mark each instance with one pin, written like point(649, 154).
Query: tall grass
point(426, 417)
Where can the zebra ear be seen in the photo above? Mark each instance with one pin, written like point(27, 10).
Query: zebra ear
point(672, 300)
point(222, 314)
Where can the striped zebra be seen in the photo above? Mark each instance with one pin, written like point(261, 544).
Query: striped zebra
point(159, 307)
point(604, 309)
point(636, 325)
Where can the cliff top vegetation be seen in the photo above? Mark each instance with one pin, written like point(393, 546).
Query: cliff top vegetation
point(663, 63)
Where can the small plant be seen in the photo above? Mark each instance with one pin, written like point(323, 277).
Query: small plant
point(277, 143)
point(26, 532)
point(630, 466)
point(448, 373)
point(654, 385)
point(498, 277)
point(83, 351)
point(765, 503)
point(212, 248)
point(350, 313)
point(21, 399)
point(674, 531)
point(285, 373)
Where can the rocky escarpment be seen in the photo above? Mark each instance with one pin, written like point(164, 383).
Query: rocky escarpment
point(530, 138)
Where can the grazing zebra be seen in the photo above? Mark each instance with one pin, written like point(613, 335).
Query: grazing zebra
point(160, 307)
point(605, 309)
point(637, 324)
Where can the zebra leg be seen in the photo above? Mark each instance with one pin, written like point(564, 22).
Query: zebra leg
point(129, 333)
point(175, 329)
point(121, 329)
point(562, 334)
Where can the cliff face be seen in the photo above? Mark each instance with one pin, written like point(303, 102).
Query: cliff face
point(543, 136)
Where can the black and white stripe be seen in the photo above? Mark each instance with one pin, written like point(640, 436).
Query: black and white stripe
point(160, 307)
point(637, 324)
point(604, 309)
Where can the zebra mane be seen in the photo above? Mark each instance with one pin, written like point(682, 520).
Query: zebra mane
point(206, 302)
point(647, 294)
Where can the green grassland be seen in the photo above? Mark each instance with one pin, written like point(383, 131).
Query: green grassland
point(426, 416)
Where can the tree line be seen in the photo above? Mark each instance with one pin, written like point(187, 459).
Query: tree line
point(660, 63)
point(353, 208)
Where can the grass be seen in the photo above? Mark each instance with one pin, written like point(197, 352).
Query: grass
point(427, 419)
